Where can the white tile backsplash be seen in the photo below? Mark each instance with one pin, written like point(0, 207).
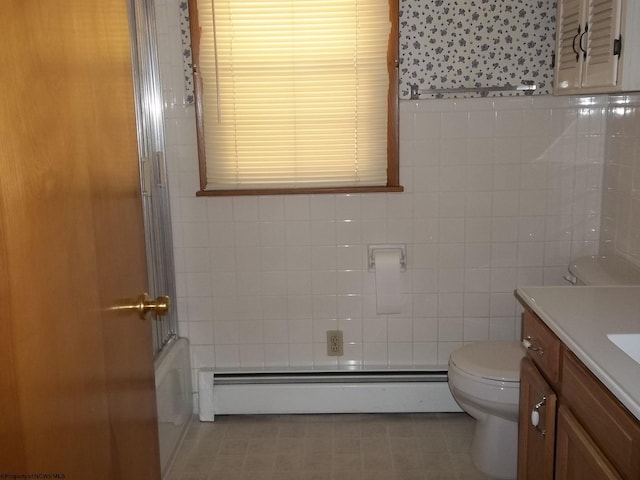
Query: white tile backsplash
point(620, 232)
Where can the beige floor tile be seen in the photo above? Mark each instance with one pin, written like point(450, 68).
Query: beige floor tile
point(375, 445)
point(227, 463)
point(403, 445)
point(375, 462)
point(262, 445)
point(288, 462)
point(256, 475)
point(409, 475)
point(346, 461)
point(438, 462)
point(433, 444)
point(259, 461)
point(234, 446)
point(292, 430)
point(351, 474)
point(289, 445)
point(348, 429)
point(401, 429)
point(317, 461)
point(328, 447)
point(319, 429)
point(407, 461)
point(267, 430)
point(318, 445)
point(387, 474)
point(441, 476)
point(346, 445)
point(370, 429)
point(315, 475)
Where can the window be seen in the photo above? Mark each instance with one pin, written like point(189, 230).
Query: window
point(296, 96)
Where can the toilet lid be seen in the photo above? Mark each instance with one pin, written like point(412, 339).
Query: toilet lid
point(491, 360)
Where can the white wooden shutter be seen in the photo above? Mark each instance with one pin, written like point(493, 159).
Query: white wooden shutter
point(601, 67)
point(570, 25)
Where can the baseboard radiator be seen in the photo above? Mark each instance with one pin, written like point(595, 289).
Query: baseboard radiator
point(226, 393)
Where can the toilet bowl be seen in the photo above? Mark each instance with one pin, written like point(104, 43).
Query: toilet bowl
point(484, 377)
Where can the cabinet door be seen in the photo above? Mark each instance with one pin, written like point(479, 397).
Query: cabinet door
point(603, 28)
point(569, 58)
point(536, 428)
point(614, 429)
point(586, 32)
point(577, 456)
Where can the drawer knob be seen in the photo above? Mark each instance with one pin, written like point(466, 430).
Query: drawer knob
point(528, 344)
point(535, 418)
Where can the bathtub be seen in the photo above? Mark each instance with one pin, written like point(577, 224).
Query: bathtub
point(173, 398)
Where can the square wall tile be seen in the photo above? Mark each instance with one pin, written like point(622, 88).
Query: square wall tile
point(499, 192)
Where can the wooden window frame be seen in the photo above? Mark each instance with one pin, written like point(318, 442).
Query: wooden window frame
point(393, 161)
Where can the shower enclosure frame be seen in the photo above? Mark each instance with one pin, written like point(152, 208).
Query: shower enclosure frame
point(153, 170)
point(174, 402)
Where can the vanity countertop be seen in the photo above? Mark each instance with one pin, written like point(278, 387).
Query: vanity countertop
point(582, 317)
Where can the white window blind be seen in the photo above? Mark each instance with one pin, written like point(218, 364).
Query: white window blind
point(294, 92)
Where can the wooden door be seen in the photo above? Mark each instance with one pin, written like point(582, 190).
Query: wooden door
point(76, 391)
point(536, 443)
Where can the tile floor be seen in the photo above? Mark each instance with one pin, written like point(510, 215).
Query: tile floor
point(328, 447)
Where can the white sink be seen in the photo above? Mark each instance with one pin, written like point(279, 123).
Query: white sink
point(629, 343)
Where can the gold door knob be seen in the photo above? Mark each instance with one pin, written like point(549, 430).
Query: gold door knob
point(144, 305)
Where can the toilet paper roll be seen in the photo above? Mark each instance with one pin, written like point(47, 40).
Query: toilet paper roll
point(388, 297)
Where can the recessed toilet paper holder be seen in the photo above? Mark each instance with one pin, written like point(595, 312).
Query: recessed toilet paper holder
point(371, 255)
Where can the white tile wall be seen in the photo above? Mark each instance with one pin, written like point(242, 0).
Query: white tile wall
point(621, 192)
point(498, 192)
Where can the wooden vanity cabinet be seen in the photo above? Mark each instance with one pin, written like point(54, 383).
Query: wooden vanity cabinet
point(588, 433)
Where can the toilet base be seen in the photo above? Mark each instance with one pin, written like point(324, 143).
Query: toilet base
point(494, 450)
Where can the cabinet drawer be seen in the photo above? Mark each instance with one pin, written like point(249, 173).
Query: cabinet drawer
point(614, 430)
point(544, 348)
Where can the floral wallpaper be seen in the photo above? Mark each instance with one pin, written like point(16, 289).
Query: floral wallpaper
point(470, 43)
point(460, 43)
point(185, 34)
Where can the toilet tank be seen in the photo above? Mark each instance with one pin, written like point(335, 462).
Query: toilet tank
point(603, 270)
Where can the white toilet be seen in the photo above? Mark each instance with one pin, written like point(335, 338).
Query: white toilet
point(484, 377)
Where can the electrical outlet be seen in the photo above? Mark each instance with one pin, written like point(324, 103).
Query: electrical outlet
point(334, 343)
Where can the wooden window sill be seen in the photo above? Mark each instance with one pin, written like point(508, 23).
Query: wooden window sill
point(299, 191)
